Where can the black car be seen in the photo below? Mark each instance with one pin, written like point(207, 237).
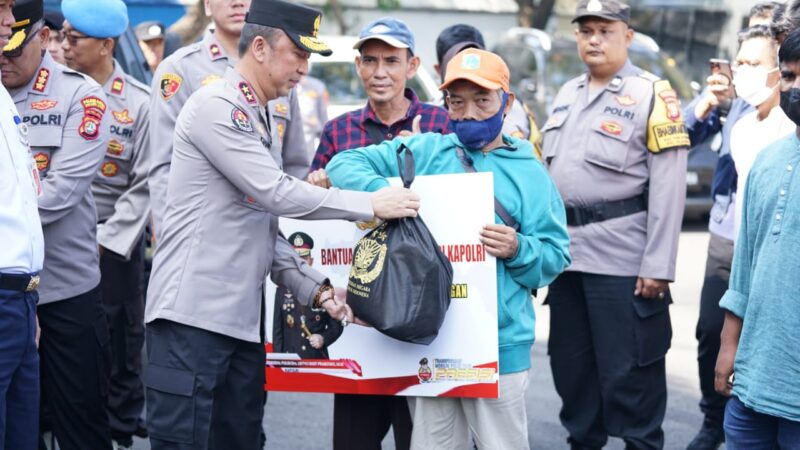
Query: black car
point(541, 64)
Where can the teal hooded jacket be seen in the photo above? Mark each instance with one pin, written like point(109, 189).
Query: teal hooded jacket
point(525, 189)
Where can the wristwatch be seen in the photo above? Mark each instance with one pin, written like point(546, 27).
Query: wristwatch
point(326, 286)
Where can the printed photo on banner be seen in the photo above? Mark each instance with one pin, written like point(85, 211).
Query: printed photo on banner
point(309, 351)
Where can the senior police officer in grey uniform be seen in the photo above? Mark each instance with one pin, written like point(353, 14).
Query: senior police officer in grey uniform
point(65, 112)
point(220, 240)
point(196, 65)
point(20, 262)
point(615, 145)
point(120, 191)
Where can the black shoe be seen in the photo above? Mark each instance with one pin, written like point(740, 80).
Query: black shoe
point(708, 438)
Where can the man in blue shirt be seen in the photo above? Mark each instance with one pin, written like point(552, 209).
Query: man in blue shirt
point(761, 333)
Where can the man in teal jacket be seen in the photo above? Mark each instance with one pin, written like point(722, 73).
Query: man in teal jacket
point(529, 257)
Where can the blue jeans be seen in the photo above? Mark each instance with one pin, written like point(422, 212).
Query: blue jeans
point(746, 429)
point(19, 371)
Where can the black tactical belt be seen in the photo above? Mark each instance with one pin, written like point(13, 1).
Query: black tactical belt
point(583, 215)
point(17, 282)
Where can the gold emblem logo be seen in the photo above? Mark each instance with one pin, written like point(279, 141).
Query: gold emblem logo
point(369, 256)
point(317, 23)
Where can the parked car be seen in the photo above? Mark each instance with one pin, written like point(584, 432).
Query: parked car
point(541, 64)
point(338, 72)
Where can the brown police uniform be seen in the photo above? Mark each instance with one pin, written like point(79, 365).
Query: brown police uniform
point(618, 157)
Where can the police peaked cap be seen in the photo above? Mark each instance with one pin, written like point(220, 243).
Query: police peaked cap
point(299, 22)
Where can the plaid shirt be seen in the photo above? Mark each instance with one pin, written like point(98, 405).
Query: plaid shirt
point(348, 131)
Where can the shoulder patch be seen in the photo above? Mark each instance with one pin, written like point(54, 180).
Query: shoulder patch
point(665, 127)
point(240, 120)
point(169, 85)
point(93, 110)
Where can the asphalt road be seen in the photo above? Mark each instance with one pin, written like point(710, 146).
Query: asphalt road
point(304, 421)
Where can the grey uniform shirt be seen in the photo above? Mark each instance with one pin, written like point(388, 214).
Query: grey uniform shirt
point(613, 145)
point(65, 112)
point(220, 229)
point(176, 79)
point(120, 188)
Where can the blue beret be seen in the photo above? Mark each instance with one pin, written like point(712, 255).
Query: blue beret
point(96, 18)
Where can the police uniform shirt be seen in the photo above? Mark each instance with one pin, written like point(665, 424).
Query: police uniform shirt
point(120, 188)
point(612, 145)
point(183, 73)
point(20, 228)
point(220, 232)
point(65, 112)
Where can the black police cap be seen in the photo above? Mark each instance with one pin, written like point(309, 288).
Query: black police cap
point(299, 22)
point(26, 14)
point(604, 9)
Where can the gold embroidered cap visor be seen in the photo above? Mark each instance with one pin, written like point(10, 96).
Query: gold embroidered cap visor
point(26, 13)
point(299, 22)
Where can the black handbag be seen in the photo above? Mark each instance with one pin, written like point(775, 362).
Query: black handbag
point(400, 280)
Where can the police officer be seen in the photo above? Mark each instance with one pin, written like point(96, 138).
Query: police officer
point(306, 331)
point(615, 145)
point(120, 191)
point(20, 262)
point(220, 239)
point(313, 98)
point(65, 112)
point(195, 66)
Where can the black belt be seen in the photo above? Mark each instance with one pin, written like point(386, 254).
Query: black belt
point(583, 215)
point(19, 282)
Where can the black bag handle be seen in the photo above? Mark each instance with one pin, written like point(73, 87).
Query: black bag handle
point(501, 210)
point(406, 166)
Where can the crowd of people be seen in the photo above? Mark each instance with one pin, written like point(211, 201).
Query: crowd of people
point(232, 135)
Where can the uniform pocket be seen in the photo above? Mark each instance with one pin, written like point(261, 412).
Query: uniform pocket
point(171, 407)
point(608, 146)
point(653, 328)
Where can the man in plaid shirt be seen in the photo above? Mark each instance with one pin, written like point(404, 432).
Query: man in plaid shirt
point(386, 62)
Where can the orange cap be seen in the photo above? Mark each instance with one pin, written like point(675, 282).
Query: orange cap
point(483, 68)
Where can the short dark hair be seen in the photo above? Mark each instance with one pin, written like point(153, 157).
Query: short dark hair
point(756, 31)
point(764, 10)
point(788, 20)
point(250, 31)
point(456, 34)
point(790, 49)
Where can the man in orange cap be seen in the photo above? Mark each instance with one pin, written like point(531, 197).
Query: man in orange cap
point(528, 238)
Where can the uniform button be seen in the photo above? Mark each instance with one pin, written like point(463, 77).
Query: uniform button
point(389, 136)
point(783, 193)
point(789, 168)
point(777, 217)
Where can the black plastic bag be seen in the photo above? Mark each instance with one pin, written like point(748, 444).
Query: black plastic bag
point(400, 280)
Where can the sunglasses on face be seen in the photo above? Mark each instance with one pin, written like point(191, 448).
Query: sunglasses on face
point(73, 38)
point(18, 51)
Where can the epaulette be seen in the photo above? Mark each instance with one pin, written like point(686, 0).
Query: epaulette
point(134, 82)
point(649, 76)
point(184, 52)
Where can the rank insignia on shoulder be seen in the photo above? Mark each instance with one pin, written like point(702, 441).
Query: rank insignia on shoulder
point(215, 51)
point(117, 85)
point(41, 80)
point(665, 127)
point(169, 85)
point(241, 121)
point(247, 91)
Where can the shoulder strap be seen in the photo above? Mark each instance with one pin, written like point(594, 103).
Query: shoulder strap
point(498, 207)
point(374, 132)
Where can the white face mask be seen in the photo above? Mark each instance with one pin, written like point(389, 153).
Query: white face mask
point(751, 84)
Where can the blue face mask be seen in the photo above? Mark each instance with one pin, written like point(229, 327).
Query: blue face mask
point(476, 134)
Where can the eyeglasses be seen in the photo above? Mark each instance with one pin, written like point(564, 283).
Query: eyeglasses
point(73, 38)
point(18, 51)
